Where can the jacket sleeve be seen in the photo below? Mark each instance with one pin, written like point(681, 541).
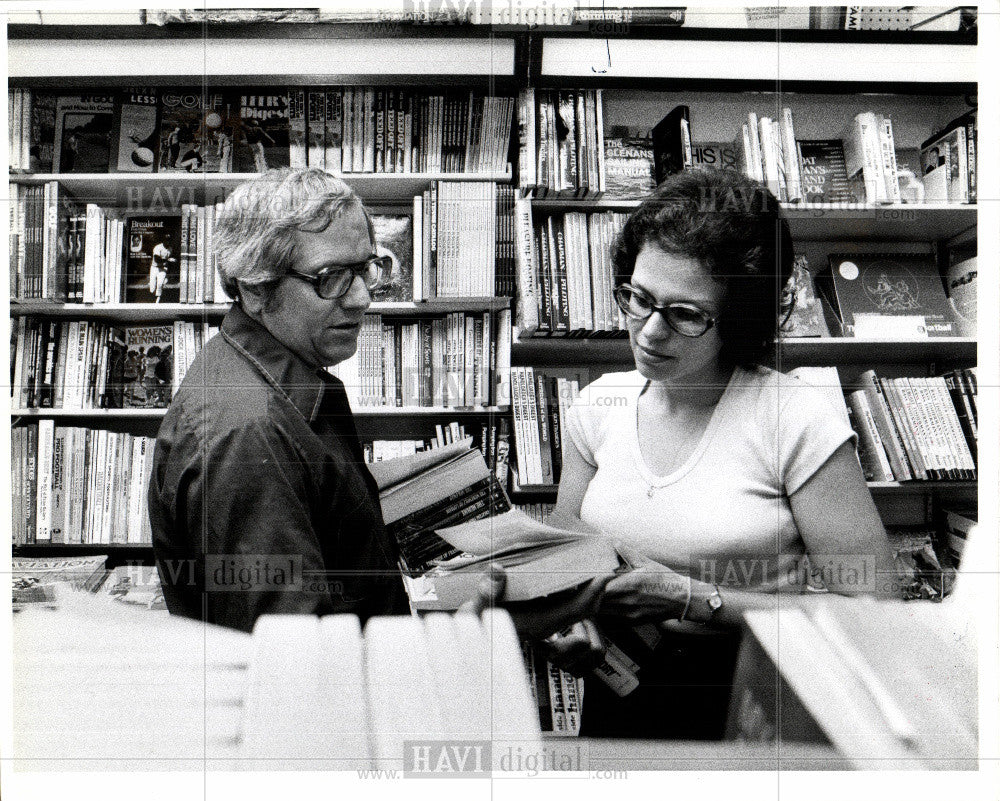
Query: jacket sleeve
point(245, 498)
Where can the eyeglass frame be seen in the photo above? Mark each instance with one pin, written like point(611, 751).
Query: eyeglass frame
point(710, 321)
point(357, 268)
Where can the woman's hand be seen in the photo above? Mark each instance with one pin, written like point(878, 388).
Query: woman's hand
point(649, 593)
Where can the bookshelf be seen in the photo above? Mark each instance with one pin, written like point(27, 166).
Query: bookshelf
point(923, 80)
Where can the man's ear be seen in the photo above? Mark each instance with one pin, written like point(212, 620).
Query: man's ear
point(252, 299)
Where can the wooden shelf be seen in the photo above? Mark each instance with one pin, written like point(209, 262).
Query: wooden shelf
point(144, 312)
point(165, 192)
point(821, 222)
point(360, 411)
point(550, 351)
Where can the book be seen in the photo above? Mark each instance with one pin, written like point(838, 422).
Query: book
point(671, 138)
point(949, 150)
point(714, 156)
point(136, 131)
point(83, 126)
point(148, 366)
point(540, 560)
point(628, 166)
point(823, 171)
point(152, 260)
point(863, 157)
point(802, 313)
point(394, 238)
point(45, 581)
point(891, 295)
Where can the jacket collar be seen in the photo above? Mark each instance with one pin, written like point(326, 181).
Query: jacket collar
point(300, 384)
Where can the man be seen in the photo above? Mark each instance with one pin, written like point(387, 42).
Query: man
point(259, 499)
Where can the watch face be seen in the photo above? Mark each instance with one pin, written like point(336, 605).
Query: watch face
point(714, 601)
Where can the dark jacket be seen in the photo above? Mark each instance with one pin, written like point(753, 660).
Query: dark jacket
point(259, 499)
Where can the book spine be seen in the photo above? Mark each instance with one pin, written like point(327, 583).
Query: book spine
point(889, 165)
point(543, 431)
point(43, 482)
point(793, 170)
point(885, 426)
point(297, 129)
point(31, 499)
point(532, 426)
point(871, 451)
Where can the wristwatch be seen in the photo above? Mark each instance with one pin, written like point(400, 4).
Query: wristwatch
point(714, 602)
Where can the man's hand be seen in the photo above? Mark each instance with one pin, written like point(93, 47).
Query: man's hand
point(561, 628)
point(540, 618)
point(650, 592)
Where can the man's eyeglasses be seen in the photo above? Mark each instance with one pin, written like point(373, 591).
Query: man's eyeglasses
point(684, 318)
point(332, 283)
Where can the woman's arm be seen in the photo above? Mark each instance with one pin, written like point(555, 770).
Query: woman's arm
point(841, 528)
point(576, 476)
point(843, 535)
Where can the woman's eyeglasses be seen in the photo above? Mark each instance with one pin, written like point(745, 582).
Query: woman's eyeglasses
point(684, 318)
point(332, 283)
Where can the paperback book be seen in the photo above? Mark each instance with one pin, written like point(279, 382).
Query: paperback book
point(152, 262)
point(394, 238)
point(148, 366)
point(136, 131)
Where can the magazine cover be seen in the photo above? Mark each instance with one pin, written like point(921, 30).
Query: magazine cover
point(196, 132)
point(262, 131)
point(148, 367)
point(136, 131)
point(152, 261)
point(83, 133)
point(394, 238)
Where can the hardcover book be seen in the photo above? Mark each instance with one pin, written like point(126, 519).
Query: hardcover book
point(893, 296)
point(394, 238)
point(672, 143)
point(136, 131)
point(152, 260)
point(83, 133)
point(148, 366)
point(824, 171)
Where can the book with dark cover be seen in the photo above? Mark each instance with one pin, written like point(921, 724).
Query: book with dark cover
point(196, 131)
point(83, 133)
point(824, 171)
point(628, 166)
point(148, 367)
point(262, 134)
point(114, 394)
point(136, 131)
point(872, 289)
point(152, 259)
point(394, 238)
point(43, 131)
point(672, 143)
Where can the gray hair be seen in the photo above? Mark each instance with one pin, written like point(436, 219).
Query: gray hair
point(255, 232)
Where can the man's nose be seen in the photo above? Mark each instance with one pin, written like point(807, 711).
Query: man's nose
point(358, 296)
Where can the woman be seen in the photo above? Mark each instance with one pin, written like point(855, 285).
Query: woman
point(718, 474)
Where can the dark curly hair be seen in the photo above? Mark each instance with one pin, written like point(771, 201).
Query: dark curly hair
point(732, 225)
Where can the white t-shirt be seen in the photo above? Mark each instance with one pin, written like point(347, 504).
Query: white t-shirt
point(723, 515)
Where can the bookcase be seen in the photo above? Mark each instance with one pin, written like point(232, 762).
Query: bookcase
point(920, 79)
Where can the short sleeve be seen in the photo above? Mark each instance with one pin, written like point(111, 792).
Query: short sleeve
point(810, 430)
point(580, 427)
